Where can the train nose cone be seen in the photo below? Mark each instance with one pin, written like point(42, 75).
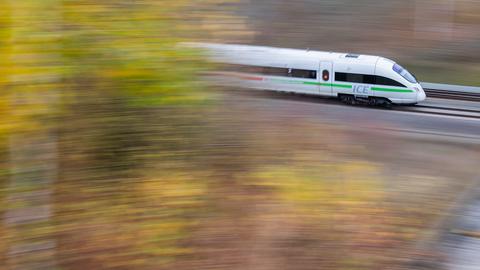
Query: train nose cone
point(421, 96)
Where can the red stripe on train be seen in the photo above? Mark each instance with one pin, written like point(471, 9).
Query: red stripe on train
point(250, 78)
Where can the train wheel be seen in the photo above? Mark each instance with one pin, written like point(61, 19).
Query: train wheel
point(348, 99)
point(383, 102)
point(387, 104)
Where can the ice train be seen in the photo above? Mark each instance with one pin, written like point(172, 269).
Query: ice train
point(353, 78)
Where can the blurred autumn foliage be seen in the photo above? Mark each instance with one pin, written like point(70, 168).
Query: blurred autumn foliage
point(115, 155)
point(99, 119)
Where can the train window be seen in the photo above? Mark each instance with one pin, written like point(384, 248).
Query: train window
point(252, 69)
point(230, 67)
point(404, 73)
point(370, 79)
point(270, 71)
point(349, 77)
point(340, 76)
point(357, 78)
point(274, 71)
point(387, 81)
point(304, 73)
point(325, 75)
point(241, 68)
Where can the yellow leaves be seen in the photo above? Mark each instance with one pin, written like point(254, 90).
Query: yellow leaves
point(335, 183)
point(293, 187)
point(124, 47)
point(143, 224)
point(343, 199)
point(94, 57)
point(173, 191)
point(166, 201)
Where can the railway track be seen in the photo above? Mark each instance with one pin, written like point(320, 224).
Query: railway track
point(440, 107)
point(456, 95)
point(454, 92)
point(444, 110)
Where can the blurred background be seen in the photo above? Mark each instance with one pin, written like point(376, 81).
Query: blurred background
point(115, 154)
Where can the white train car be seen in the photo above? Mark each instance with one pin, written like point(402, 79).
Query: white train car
point(353, 78)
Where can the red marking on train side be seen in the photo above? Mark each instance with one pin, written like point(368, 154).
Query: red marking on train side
point(250, 78)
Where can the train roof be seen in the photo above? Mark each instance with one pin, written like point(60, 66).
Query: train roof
point(248, 52)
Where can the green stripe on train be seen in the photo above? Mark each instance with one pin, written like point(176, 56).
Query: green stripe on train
point(286, 81)
point(340, 85)
point(391, 90)
point(379, 89)
point(329, 84)
point(350, 86)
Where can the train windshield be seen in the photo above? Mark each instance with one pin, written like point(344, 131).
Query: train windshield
point(404, 73)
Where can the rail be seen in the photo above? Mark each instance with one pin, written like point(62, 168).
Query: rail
point(448, 91)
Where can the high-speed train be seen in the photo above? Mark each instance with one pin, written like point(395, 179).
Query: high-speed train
point(353, 78)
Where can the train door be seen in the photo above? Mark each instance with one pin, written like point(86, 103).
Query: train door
point(326, 78)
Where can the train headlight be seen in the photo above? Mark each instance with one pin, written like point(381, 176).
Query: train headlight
point(416, 89)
